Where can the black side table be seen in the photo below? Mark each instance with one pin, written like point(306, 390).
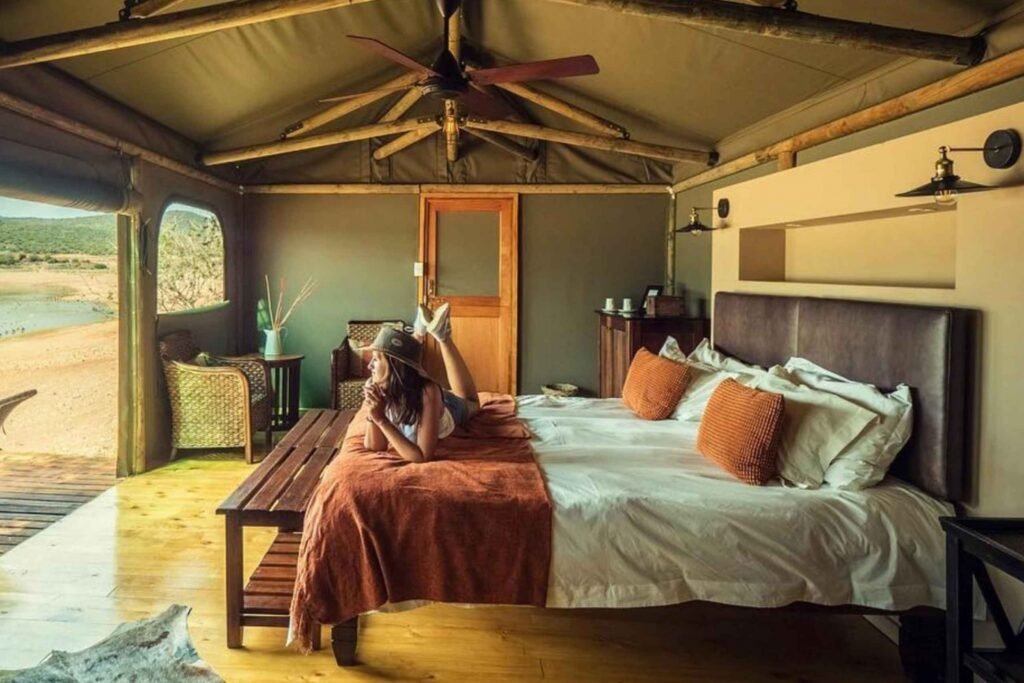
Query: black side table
point(970, 545)
point(284, 375)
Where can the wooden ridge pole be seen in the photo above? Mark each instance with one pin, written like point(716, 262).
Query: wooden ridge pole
point(510, 146)
point(348, 106)
point(775, 22)
point(607, 144)
point(525, 188)
point(400, 143)
point(183, 24)
point(78, 129)
point(985, 75)
point(375, 130)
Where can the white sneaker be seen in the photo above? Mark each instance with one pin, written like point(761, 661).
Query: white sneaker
point(419, 326)
point(440, 327)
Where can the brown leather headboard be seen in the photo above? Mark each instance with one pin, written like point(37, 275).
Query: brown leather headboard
point(883, 344)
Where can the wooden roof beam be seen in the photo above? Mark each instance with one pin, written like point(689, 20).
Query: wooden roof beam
point(400, 143)
point(570, 111)
point(776, 22)
point(376, 130)
point(182, 24)
point(404, 104)
point(600, 142)
point(347, 106)
point(510, 146)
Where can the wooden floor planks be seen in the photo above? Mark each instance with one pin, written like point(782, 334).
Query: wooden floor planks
point(37, 490)
point(154, 540)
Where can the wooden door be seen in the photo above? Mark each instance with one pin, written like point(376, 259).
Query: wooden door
point(469, 247)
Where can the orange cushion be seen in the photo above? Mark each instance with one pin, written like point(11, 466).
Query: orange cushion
point(740, 431)
point(654, 385)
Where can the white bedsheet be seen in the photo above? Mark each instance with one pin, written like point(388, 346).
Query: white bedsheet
point(642, 519)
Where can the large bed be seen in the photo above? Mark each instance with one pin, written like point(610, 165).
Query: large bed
point(639, 518)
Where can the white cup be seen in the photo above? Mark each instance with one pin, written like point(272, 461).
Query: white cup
point(609, 304)
point(627, 304)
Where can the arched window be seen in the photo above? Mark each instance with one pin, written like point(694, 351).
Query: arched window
point(190, 259)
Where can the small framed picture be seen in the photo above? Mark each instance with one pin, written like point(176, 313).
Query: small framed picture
point(652, 290)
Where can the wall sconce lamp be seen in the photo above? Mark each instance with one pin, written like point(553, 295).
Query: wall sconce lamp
point(695, 227)
point(1001, 150)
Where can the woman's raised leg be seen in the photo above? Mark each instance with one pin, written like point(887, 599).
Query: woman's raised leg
point(459, 377)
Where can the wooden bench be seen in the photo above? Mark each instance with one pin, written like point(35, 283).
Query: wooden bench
point(276, 494)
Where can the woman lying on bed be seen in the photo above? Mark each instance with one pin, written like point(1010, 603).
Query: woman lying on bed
point(407, 410)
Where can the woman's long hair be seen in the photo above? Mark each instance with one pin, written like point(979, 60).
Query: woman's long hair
point(403, 392)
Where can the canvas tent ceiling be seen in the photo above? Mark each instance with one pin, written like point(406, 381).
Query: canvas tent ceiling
point(665, 82)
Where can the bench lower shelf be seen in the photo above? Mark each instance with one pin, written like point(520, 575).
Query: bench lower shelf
point(268, 595)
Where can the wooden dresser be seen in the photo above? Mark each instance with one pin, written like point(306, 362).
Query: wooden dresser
point(620, 338)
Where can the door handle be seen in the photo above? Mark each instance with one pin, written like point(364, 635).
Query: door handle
point(431, 287)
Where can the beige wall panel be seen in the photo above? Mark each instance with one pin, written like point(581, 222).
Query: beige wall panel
point(989, 249)
point(916, 250)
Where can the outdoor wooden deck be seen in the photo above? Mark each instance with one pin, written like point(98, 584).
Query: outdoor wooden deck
point(37, 490)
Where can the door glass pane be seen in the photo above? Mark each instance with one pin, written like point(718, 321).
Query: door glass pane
point(467, 253)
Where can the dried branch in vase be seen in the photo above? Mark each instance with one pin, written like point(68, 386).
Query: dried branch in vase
point(279, 315)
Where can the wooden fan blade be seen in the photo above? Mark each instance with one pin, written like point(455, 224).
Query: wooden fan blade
point(388, 52)
point(580, 65)
point(480, 102)
point(341, 98)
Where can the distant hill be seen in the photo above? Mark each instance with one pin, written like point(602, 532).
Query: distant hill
point(95, 235)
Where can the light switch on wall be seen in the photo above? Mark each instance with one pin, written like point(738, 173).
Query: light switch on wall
point(417, 269)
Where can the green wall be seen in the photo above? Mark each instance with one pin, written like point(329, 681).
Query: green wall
point(360, 249)
point(575, 251)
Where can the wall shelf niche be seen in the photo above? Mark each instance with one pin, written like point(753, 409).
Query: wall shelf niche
point(912, 246)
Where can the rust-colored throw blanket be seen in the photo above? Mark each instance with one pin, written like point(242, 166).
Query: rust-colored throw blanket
point(471, 526)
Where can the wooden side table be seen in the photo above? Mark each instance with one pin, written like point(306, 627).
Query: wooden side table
point(284, 376)
point(971, 543)
point(620, 337)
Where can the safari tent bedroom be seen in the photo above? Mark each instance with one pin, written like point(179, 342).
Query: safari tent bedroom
point(604, 340)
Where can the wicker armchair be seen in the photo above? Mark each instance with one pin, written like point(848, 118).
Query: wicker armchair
point(348, 367)
point(216, 401)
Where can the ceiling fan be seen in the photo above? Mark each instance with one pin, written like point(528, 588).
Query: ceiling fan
point(447, 79)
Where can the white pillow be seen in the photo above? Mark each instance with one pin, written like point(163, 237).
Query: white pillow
point(865, 461)
point(816, 428)
point(705, 354)
point(704, 379)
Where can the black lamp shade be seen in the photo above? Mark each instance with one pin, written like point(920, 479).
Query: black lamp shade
point(949, 184)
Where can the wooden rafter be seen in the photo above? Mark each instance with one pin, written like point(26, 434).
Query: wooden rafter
point(182, 24)
point(510, 146)
point(601, 142)
point(336, 111)
point(375, 130)
point(402, 142)
point(147, 8)
point(794, 25)
point(570, 111)
point(986, 75)
point(404, 104)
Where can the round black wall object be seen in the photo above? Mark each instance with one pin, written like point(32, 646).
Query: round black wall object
point(1002, 149)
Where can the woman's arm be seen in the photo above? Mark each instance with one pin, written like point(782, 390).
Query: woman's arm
point(426, 441)
point(374, 439)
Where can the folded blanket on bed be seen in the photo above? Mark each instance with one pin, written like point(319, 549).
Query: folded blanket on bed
point(471, 526)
